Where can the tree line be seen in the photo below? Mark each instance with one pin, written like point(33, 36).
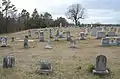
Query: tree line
point(12, 21)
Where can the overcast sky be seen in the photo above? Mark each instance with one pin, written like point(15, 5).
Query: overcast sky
point(103, 11)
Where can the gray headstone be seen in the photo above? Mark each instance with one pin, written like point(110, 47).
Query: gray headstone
point(82, 36)
point(29, 33)
point(94, 31)
point(73, 43)
point(41, 36)
point(105, 41)
point(13, 39)
point(57, 35)
point(50, 31)
point(68, 35)
point(118, 41)
point(8, 62)
point(45, 67)
point(26, 42)
point(4, 42)
point(48, 46)
point(101, 35)
point(101, 62)
point(111, 34)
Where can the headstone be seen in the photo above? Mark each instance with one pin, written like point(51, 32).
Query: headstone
point(82, 36)
point(45, 67)
point(118, 41)
point(61, 34)
point(100, 35)
point(13, 39)
point(50, 31)
point(4, 42)
point(41, 36)
point(73, 43)
point(57, 35)
point(48, 46)
point(29, 33)
point(26, 42)
point(105, 41)
point(100, 67)
point(94, 31)
point(35, 33)
point(8, 62)
point(111, 34)
point(68, 35)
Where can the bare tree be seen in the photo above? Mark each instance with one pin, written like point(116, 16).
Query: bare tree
point(75, 12)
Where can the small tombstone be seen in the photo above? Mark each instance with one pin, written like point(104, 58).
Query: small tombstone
point(50, 31)
point(94, 31)
point(73, 43)
point(57, 35)
point(35, 33)
point(41, 36)
point(4, 42)
point(68, 35)
point(8, 62)
point(26, 42)
point(82, 36)
point(105, 41)
point(100, 35)
point(45, 67)
point(61, 34)
point(48, 46)
point(101, 62)
point(13, 39)
point(29, 33)
point(111, 34)
point(118, 41)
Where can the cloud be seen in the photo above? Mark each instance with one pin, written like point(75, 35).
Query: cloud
point(105, 11)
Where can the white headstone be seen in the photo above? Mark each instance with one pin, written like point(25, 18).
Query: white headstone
point(4, 41)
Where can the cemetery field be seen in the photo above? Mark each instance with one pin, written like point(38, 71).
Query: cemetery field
point(67, 63)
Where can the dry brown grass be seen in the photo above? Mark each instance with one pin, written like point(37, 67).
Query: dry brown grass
point(65, 60)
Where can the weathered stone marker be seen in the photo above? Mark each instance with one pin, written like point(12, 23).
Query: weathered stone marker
point(68, 35)
point(26, 42)
point(41, 36)
point(100, 67)
point(8, 62)
point(45, 67)
point(4, 42)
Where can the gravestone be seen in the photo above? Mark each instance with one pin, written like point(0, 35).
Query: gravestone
point(26, 42)
point(45, 67)
point(94, 31)
point(105, 41)
point(73, 43)
point(101, 62)
point(61, 34)
point(29, 33)
point(4, 41)
point(13, 39)
point(100, 35)
point(57, 35)
point(48, 46)
point(118, 41)
point(82, 36)
point(50, 31)
point(35, 33)
point(68, 35)
point(41, 36)
point(8, 62)
point(111, 34)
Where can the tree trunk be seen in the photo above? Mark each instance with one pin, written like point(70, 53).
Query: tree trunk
point(76, 22)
